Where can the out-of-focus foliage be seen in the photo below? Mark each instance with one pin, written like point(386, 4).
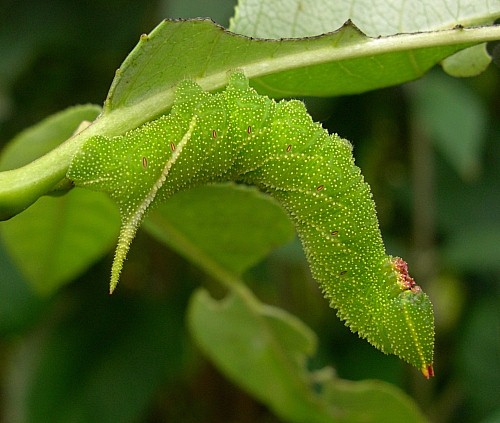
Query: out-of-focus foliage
point(79, 355)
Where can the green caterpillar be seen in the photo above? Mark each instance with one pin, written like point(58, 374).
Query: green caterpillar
point(239, 135)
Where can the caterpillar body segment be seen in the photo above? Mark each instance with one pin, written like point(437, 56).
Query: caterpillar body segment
point(239, 135)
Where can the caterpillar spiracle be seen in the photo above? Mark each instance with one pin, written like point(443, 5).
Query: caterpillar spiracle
point(239, 135)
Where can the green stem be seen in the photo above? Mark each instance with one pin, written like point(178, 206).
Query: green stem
point(19, 188)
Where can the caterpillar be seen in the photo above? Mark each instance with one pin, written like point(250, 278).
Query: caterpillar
point(239, 135)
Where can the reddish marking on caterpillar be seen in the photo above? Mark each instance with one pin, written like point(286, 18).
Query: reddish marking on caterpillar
point(214, 134)
point(334, 233)
point(249, 130)
point(428, 371)
point(404, 279)
point(172, 147)
point(289, 148)
point(320, 188)
point(144, 162)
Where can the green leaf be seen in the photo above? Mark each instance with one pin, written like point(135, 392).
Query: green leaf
point(265, 350)
point(338, 63)
point(46, 135)
point(344, 62)
point(57, 238)
point(469, 62)
point(95, 359)
point(20, 306)
point(221, 227)
point(19, 188)
point(296, 18)
point(454, 118)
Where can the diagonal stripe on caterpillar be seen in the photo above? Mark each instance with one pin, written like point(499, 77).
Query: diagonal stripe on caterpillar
point(239, 135)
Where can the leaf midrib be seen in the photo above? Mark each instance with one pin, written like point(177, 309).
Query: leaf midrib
point(161, 102)
point(21, 187)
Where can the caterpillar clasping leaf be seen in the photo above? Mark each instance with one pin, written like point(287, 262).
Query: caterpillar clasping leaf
point(239, 135)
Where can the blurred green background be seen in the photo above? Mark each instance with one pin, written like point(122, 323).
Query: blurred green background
point(431, 152)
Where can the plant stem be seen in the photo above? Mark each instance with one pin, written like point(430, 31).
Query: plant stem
point(21, 187)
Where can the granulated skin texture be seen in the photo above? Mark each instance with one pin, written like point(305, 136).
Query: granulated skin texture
point(239, 135)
